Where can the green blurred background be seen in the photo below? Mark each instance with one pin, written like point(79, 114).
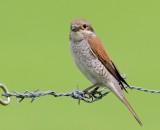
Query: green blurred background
point(35, 54)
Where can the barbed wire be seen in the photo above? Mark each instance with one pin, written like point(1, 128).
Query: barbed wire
point(89, 96)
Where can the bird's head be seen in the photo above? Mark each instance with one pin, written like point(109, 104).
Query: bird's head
point(80, 29)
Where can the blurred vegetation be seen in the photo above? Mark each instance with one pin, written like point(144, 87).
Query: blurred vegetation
point(35, 54)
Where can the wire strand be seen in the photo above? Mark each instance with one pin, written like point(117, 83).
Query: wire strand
point(90, 96)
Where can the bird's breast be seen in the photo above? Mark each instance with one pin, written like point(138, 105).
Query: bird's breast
point(88, 62)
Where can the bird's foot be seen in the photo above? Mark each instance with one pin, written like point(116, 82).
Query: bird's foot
point(92, 92)
point(95, 93)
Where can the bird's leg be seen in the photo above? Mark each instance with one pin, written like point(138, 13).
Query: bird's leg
point(89, 88)
point(94, 92)
point(87, 93)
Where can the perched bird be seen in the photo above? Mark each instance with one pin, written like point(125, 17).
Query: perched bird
point(94, 62)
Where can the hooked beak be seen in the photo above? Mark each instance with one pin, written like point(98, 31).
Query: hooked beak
point(75, 28)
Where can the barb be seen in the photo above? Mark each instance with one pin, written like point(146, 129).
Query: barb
point(92, 94)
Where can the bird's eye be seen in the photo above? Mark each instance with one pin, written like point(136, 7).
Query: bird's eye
point(84, 25)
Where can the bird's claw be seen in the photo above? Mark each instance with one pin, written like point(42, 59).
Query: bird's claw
point(89, 93)
point(95, 93)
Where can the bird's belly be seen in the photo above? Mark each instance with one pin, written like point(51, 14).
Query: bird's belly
point(87, 70)
point(89, 64)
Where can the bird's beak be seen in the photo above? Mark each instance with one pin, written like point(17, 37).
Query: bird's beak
point(75, 28)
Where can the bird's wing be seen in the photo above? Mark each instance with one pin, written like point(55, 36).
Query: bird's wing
point(98, 48)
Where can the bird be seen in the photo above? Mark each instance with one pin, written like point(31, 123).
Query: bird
point(92, 59)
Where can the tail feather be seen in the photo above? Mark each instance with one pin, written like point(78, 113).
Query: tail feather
point(124, 100)
point(116, 89)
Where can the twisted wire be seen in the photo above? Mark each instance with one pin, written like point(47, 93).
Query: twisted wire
point(89, 97)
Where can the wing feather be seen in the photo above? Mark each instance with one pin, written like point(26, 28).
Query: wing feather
point(99, 49)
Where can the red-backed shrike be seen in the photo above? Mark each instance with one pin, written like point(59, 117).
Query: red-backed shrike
point(94, 62)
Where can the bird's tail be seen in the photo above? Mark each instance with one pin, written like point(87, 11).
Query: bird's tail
point(118, 92)
point(124, 100)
